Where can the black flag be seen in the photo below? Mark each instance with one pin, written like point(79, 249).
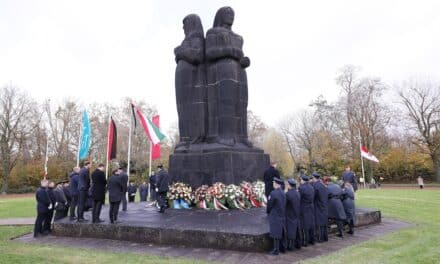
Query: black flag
point(112, 140)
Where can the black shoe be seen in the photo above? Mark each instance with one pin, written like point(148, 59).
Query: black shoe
point(117, 222)
point(82, 220)
point(274, 252)
point(100, 221)
point(340, 235)
point(351, 232)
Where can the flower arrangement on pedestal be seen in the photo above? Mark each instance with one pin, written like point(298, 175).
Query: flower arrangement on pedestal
point(180, 196)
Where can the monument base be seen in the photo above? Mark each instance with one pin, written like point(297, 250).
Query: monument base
point(246, 230)
point(209, 165)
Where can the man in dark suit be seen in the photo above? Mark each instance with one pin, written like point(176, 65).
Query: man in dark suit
point(115, 193)
point(143, 191)
point(163, 180)
point(83, 188)
point(321, 208)
point(43, 206)
point(132, 189)
point(74, 178)
point(47, 228)
point(61, 202)
point(307, 211)
point(348, 176)
point(293, 216)
point(269, 175)
point(276, 209)
point(153, 195)
point(124, 179)
point(99, 184)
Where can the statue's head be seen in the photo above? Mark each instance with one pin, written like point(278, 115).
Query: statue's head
point(224, 17)
point(192, 24)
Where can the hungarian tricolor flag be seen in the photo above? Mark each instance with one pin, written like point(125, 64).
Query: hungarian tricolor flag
point(152, 131)
point(367, 155)
point(112, 140)
point(155, 151)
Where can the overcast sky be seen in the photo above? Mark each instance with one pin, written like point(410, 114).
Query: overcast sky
point(105, 50)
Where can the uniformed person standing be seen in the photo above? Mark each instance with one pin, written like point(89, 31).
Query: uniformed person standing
point(132, 189)
point(43, 206)
point(61, 202)
point(276, 209)
point(74, 191)
point(349, 206)
point(115, 193)
point(143, 191)
point(47, 228)
point(293, 216)
point(348, 176)
point(307, 194)
point(163, 180)
point(270, 174)
point(335, 207)
point(321, 208)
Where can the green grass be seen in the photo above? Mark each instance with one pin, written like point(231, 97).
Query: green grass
point(417, 244)
point(17, 207)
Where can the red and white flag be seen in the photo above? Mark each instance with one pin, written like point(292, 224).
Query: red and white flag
point(367, 155)
point(156, 147)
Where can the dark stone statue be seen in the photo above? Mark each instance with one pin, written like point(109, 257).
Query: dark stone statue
point(212, 98)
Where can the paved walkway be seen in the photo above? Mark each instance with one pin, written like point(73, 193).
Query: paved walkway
point(17, 221)
point(334, 244)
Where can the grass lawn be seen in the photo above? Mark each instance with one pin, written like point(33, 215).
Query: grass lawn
point(418, 244)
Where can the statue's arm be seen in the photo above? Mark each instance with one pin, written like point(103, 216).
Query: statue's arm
point(214, 51)
point(192, 52)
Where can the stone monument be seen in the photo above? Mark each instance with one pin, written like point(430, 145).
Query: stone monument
point(212, 98)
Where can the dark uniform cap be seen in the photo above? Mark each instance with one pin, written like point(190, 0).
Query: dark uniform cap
point(305, 178)
point(316, 175)
point(291, 182)
point(278, 180)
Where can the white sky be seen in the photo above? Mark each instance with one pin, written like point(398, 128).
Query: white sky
point(105, 50)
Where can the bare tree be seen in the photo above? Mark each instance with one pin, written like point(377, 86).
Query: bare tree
point(422, 102)
point(256, 128)
point(16, 126)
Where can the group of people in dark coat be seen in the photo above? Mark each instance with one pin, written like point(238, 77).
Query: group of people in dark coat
point(300, 217)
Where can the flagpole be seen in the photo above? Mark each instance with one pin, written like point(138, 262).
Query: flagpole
point(79, 142)
point(108, 144)
point(151, 150)
point(129, 147)
point(45, 159)
point(362, 160)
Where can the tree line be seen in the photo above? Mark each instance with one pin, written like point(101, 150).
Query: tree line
point(399, 124)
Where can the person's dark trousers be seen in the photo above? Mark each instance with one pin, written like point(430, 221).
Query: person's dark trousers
point(59, 214)
point(308, 236)
point(73, 206)
point(38, 227)
point(131, 199)
point(97, 205)
point(124, 202)
point(340, 225)
point(351, 227)
point(276, 247)
point(323, 233)
point(81, 203)
point(113, 212)
point(152, 195)
point(162, 201)
point(48, 222)
point(298, 240)
point(66, 211)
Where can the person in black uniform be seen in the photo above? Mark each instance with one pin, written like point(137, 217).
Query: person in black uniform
point(153, 194)
point(276, 209)
point(293, 216)
point(83, 188)
point(43, 206)
point(74, 178)
point(269, 175)
point(143, 191)
point(348, 176)
point(98, 192)
point(335, 207)
point(124, 179)
point(307, 211)
point(66, 191)
point(349, 206)
point(115, 193)
point(132, 189)
point(163, 180)
point(47, 227)
point(60, 202)
point(321, 208)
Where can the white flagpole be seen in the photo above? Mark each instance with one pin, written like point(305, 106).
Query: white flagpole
point(150, 164)
point(108, 145)
point(79, 140)
point(45, 159)
point(362, 160)
point(129, 147)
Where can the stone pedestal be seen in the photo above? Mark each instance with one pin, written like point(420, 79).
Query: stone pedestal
point(205, 164)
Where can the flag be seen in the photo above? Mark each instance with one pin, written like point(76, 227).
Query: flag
point(112, 140)
point(367, 155)
point(155, 153)
point(152, 131)
point(134, 118)
point(86, 135)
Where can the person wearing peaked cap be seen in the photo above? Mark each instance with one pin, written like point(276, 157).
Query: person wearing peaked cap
point(276, 209)
point(268, 177)
point(321, 208)
point(307, 194)
point(293, 216)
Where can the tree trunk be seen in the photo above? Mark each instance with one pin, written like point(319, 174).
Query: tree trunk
point(5, 173)
point(437, 169)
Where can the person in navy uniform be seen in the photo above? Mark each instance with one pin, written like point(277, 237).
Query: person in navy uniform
point(321, 208)
point(74, 178)
point(44, 204)
point(348, 176)
point(335, 207)
point(349, 206)
point(61, 202)
point(83, 189)
point(66, 191)
point(307, 194)
point(115, 193)
point(269, 175)
point(47, 227)
point(153, 195)
point(99, 187)
point(124, 178)
point(293, 216)
point(163, 180)
point(143, 191)
point(132, 189)
point(276, 209)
